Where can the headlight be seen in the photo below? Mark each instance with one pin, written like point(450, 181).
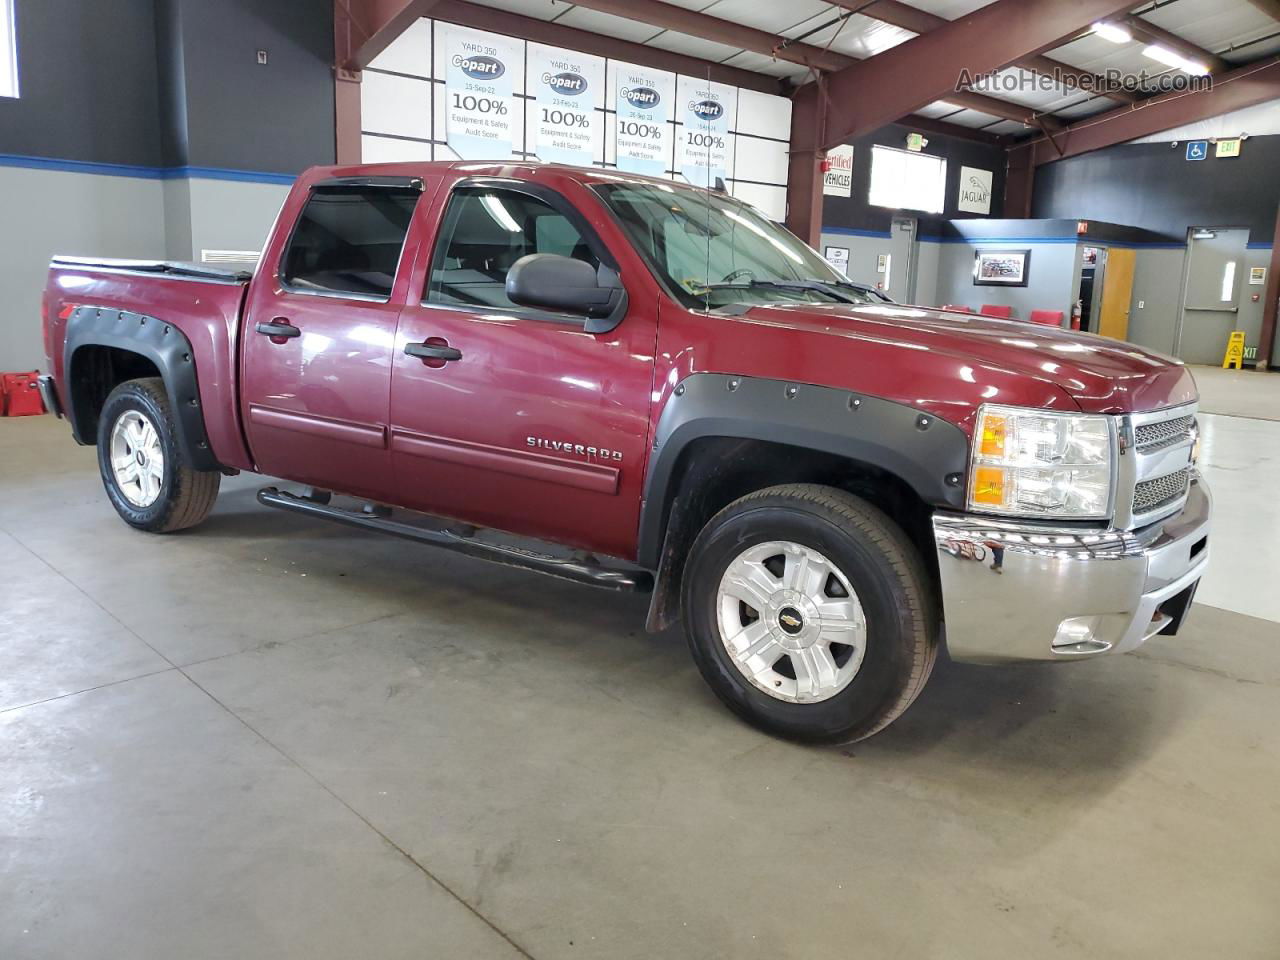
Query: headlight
point(1034, 463)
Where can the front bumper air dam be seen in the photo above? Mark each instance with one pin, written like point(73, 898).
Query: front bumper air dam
point(1033, 591)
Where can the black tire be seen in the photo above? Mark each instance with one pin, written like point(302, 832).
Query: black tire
point(887, 575)
point(186, 494)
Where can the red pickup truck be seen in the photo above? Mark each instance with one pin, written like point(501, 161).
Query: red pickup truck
point(668, 392)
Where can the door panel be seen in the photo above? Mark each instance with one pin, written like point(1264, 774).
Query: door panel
point(316, 405)
point(1215, 264)
point(539, 429)
point(318, 337)
point(510, 417)
point(1117, 293)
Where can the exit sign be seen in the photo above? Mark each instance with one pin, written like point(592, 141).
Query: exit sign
point(1227, 148)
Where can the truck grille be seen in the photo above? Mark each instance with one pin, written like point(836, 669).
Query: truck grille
point(1154, 471)
point(1151, 495)
point(1151, 437)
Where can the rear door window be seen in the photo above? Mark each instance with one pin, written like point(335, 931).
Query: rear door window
point(348, 240)
point(485, 231)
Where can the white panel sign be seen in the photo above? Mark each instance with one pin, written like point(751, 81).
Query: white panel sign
point(644, 111)
point(838, 257)
point(975, 190)
point(480, 70)
point(838, 180)
point(566, 127)
point(704, 139)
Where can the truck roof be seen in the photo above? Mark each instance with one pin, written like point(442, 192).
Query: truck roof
point(520, 169)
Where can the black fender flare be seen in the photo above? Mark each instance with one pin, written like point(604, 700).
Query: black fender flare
point(165, 346)
point(926, 452)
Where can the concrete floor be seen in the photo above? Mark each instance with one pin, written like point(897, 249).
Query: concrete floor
point(1239, 393)
point(270, 737)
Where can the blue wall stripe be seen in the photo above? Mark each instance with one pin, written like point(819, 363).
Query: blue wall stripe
point(850, 232)
point(143, 173)
point(1258, 245)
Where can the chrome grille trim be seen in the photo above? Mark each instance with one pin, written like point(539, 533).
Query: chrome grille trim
point(1153, 471)
point(1156, 436)
point(1151, 495)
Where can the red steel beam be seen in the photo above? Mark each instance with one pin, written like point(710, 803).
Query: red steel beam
point(364, 28)
point(1243, 87)
point(668, 16)
point(543, 31)
point(1270, 7)
point(927, 68)
point(921, 21)
point(1148, 31)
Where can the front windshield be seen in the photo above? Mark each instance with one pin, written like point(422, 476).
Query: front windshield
point(712, 251)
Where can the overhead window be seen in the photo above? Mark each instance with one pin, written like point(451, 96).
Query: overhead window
point(348, 240)
point(904, 180)
point(8, 51)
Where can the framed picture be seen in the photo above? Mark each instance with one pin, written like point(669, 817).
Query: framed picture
point(1001, 268)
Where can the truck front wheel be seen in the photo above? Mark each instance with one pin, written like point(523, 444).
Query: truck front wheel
point(809, 613)
point(148, 477)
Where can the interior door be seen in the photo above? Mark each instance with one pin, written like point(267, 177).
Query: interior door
point(1211, 297)
point(900, 285)
point(1117, 293)
point(510, 417)
point(318, 338)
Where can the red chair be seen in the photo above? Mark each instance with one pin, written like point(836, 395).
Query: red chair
point(955, 308)
point(1050, 318)
point(995, 310)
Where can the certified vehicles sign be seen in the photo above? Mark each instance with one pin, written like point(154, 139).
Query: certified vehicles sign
point(479, 94)
point(565, 126)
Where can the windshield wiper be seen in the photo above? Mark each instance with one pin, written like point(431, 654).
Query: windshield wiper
point(817, 286)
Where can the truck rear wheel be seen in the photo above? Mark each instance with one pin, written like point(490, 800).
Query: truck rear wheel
point(148, 477)
point(809, 613)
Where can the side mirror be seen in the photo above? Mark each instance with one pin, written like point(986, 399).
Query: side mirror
point(553, 282)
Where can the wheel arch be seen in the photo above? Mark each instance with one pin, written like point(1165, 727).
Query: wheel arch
point(106, 347)
point(721, 437)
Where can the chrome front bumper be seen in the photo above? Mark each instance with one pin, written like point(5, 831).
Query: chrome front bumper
point(1034, 591)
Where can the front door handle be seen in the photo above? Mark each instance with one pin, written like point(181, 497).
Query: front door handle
point(279, 330)
point(433, 349)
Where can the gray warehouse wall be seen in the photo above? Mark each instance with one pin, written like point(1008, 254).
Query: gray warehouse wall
point(1157, 285)
point(1053, 278)
point(147, 128)
point(64, 213)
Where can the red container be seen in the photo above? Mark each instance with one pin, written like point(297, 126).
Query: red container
point(21, 394)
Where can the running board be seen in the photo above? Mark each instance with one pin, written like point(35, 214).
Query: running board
point(577, 570)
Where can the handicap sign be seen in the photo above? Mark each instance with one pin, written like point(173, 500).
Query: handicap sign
point(1197, 149)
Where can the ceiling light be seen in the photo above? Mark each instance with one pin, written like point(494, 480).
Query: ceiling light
point(1171, 58)
point(1113, 32)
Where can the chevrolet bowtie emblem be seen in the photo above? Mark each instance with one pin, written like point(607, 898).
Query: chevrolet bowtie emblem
point(789, 620)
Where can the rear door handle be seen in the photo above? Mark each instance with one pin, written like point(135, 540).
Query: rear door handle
point(433, 351)
point(278, 330)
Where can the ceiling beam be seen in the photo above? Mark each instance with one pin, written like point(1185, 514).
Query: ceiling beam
point(1147, 31)
point(555, 34)
point(1003, 109)
point(1242, 87)
point(364, 28)
point(914, 121)
point(911, 18)
point(1270, 7)
point(668, 16)
point(928, 67)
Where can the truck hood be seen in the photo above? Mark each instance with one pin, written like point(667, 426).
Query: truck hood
point(1101, 375)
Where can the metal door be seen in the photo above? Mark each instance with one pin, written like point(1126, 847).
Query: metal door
point(900, 283)
point(1211, 294)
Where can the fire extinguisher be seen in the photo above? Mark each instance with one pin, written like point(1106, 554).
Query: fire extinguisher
point(1076, 313)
